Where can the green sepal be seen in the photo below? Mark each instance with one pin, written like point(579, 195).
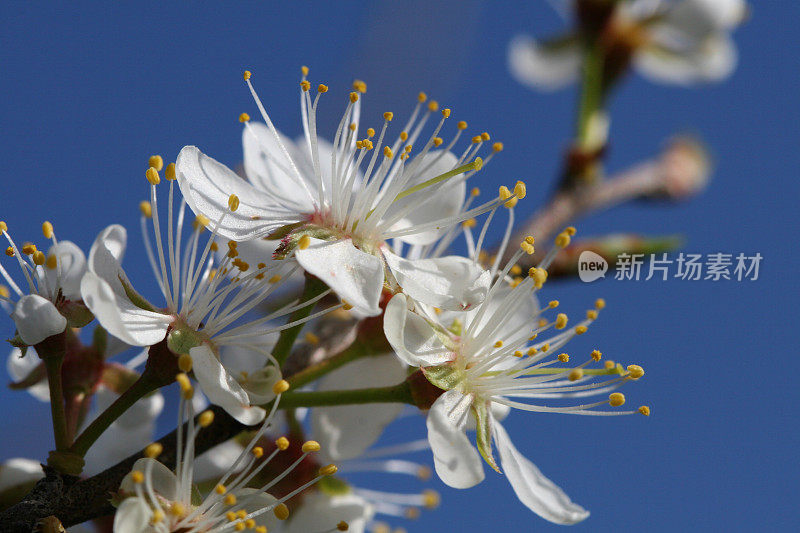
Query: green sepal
point(17, 342)
point(484, 433)
point(445, 376)
point(137, 299)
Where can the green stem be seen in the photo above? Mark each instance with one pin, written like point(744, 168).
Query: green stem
point(355, 351)
point(400, 393)
point(313, 288)
point(53, 364)
point(592, 90)
point(140, 388)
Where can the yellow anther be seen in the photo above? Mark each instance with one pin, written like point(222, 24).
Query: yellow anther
point(360, 86)
point(185, 363)
point(433, 105)
point(446, 112)
point(282, 443)
point(527, 248)
point(158, 516)
point(153, 450)
point(543, 323)
point(4, 293)
point(505, 194)
point(370, 132)
point(233, 202)
point(368, 144)
point(644, 410)
point(437, 141)
point(553, 304)
point(462, 125)
point(352, 126)
point(475, 192)
point(520, 190)
point(616, 399)
point(39, 258)
point(635, 371)
point(257, 452)
point(169, 172)
point(346, 306)
point(530, 240)
point(516, 270)
point(247, 75)
point(281, 511)
point(230, 516)
point(274, 279)
point(353, 97)
point(570, 230)
point(359, 145)
point(516, 281)
point(220, 489)
point(47, 230)
point(431, 499)
point(310, 446)
point(152, 176)
point(497, 147)
point(387, 152)
point(561, 321)
point(241, 514)
point(10, 251)
point(239, 526)
point(312, 338)
point(388, 116)
point(342, 526)
point(477, 164)
point(421, 97)
point(580, 330)
point(206, 419)
point(156, 162)
point(532, 350)
point(498, 344)
point(518, 353)
point(563, 357)
point(599, 303)
point(424, 472)
point(261, 529)
point(328, 470)
point(304, 70)
point(280, 387)
point(485, 136)
point(230, 499)
point(539, 276)
point(137, 476)
point(3, 226)
point(305, 85)
point(562, 240)
point(403, 135)
point(183, 382)
point(476, 139)
point(576, 374)
point(29, 249)
point(609, 364)
point(304, 242)
point(591, 314)
point(322, 88)
point(200, 222)
point(250, 523)
point(412, 513)
point(596, 355)
point(177, 509)
point(214, 247)
point(146, 209)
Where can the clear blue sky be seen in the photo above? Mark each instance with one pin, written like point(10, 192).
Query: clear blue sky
point(89, 93)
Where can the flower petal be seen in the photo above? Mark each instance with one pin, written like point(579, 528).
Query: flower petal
point(133, 516)
point(19, 368)
point(71, 265)
point(37, 318)
point(345, 432)
point(538, 493)
point(119, 316)
point(355, 276)
point(712, 60)
point(412, 338)
point(544, 66)
point(19, 470)
point(221, 389)
point(163, 480)
point(115, 444)
point(207, 185)
point(453, 282)
point(216, 462)
point(321, 512)
point(457, 462)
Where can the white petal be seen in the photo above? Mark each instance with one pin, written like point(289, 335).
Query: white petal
point(163, 479)
point(412, 338)
point(544, 67)
point(538, 493)
point(113, 238)
point(19, 367)
point(321, 512)
point(497, 314)
point(207, 185)
point(37, 318)
point(355, 276)
point(221, 389)
point(143, 412)
point(457, 462)
point(19, 470)
point(436, 202)
point(216, 462)
point(133, 516)
point(712, 60)
point(119, 316)
point(71, 264)
point(115, 444)
point(346, 432)
point(453, 282)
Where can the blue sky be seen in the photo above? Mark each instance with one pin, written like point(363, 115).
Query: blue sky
point(89, 93)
